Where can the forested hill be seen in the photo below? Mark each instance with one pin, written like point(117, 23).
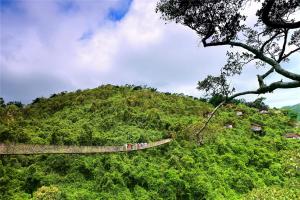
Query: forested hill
point(232, 163)
point(295, 109)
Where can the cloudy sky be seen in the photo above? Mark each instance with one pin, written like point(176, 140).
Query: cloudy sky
point(49, 46)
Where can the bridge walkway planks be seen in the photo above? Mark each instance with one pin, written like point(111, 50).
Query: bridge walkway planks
point(23, 149)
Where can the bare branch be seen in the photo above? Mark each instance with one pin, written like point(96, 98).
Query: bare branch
point(291, 52)
point(268, 41)
point(208, 120)
point(269, 88)
point(261, 78)
point(283, 46)
point(278, 85)
point(267, 73)
point(259, 55)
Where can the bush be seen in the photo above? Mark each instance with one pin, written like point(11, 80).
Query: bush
point(48, 193)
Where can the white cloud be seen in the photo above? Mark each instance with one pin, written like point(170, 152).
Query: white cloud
point(53, 52)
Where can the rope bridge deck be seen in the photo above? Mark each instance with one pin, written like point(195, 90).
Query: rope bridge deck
point(16, 149)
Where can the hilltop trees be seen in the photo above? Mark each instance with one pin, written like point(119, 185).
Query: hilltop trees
point(270, 42)
point(233, 164)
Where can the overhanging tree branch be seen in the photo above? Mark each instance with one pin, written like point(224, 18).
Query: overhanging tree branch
point(279, 23)
point(283, 46)
point(267, 73)
point(222, 22)
point(290, 53)
point(268, 41)
point(259, 55)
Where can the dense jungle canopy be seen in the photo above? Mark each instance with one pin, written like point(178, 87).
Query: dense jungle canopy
point(232, 163)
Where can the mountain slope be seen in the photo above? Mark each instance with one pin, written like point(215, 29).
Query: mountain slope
point(295, 109)
point(233, 163)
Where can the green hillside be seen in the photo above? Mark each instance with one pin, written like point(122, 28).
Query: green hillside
point(295, 109)
point(231, 163)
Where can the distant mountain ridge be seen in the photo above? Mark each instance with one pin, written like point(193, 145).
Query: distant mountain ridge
point(294, 108)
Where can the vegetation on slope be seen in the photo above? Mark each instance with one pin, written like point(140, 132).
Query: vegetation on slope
point(294, 110)
point(232, 163)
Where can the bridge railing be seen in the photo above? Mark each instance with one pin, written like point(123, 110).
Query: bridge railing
point(15, 149)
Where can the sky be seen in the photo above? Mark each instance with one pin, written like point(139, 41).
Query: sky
point(49, 46)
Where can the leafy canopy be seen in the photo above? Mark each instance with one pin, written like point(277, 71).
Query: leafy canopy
point(232, 163)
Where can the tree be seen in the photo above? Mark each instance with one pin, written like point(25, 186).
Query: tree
point(2, 102)
point(270, 42)
point(258, 103)
point(16, 103)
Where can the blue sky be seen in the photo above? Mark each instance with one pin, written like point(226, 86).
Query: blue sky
point(49, 46)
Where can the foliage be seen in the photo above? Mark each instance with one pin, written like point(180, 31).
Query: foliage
point(232, 163)
point(294, 111)
point(48, 193)
point(216, 99)
point(258, 103)
point(269, 42)
point(275, 192)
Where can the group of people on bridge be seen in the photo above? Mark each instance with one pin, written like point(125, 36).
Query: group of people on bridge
point(136, 146)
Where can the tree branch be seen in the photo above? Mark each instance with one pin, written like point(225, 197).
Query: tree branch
point(261, 78)
point(259, 55)
point(208, 120)
point(283, 46)
point(268, 41)
point(291, 52)
point(268, 89)
point(277, 24)
point(278, 85)
point(267, 73)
